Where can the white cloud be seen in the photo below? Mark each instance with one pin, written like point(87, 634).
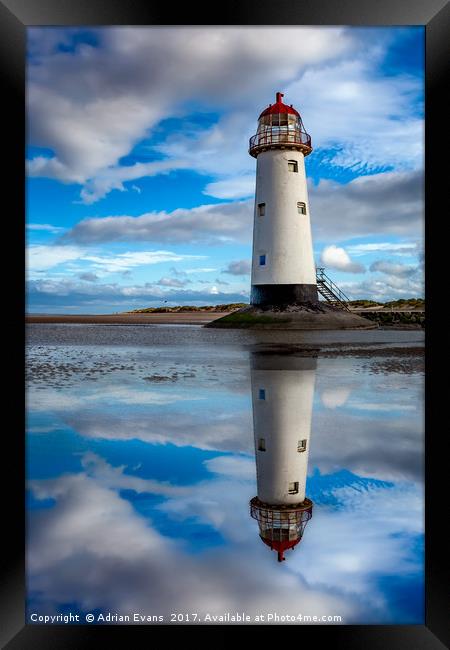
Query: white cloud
point(64, 295)
point(124, 261)
point(367, 120)
point(45, 227)
point(389, 288)
point(387, 203)
point(42, 257)
point(212, 224)
point(66, 541)
point(393, 248)
point(331, 549)
point(232, 188)
point(172, 282)
point(89, 277)
point(136, 566)
point(389, 268)
point(54, 401)
point(338, 258)
point(334, 397)
point(91, 106)
point(240, 267)
point(238, 467)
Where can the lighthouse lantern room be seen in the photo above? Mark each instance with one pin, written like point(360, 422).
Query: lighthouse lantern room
point(283, 268)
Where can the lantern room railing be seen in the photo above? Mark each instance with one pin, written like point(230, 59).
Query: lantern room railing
point(280, 523)
point(282, 135)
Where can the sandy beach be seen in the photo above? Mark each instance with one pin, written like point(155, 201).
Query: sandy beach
point(180, 318)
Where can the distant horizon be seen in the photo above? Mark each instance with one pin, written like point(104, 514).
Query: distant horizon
point(102, 313)
point(140, 188)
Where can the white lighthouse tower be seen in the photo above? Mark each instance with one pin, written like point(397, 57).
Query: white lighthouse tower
point(282, 397)
point(283, 268)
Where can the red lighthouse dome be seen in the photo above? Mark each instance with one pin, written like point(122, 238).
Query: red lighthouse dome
point(279, 107)
point(280, 127)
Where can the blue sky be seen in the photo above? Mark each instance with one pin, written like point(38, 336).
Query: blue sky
point(140, 187)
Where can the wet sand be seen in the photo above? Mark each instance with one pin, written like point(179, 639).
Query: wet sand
point(179, 318)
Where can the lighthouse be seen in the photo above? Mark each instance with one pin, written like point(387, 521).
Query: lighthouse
point(282, 399)
point(283, 268)
point(284, 284)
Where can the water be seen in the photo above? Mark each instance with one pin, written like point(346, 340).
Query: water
point(141, 466)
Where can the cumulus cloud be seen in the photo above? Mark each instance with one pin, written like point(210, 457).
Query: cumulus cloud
point(89, 276)
point(338, 258)
point(386, 203)
point(210, 224)
point(92, 104)
point(172, 282)
point(390, 287)
point(389, 268)
point(240, 267)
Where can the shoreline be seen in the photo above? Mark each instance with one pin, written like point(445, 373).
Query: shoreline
point(171, 318)
point(400, 320)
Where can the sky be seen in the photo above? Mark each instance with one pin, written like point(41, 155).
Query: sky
point(140, 188)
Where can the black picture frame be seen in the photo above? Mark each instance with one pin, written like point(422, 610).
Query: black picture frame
point(15, 17)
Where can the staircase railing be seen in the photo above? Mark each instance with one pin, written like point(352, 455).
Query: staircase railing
point(326, 286)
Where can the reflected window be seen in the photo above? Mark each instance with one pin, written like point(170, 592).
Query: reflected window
point(293, 488)
point(262, 444)
point(292, 165)
point(261, 209)
point(262, 260)
point(262, 393)
point(301, 207)
point(301, 445)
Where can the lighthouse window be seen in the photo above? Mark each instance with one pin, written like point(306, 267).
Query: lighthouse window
point(262, 444)
point(261, 209)
point(279, 119)
point(293, 488)
point(292, 165)
point(301, 445)
point(262, 260)
point(301, 207)
point(262, 394)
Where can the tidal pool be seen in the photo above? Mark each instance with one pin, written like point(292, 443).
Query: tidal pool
point(141, 465)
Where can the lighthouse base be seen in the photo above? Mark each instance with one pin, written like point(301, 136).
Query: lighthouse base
point(283, 294)
point(298, 316)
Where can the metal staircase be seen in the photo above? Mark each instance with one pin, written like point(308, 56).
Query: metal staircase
point(330, 291)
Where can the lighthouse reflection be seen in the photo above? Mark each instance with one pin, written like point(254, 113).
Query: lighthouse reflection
point(282, 401)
